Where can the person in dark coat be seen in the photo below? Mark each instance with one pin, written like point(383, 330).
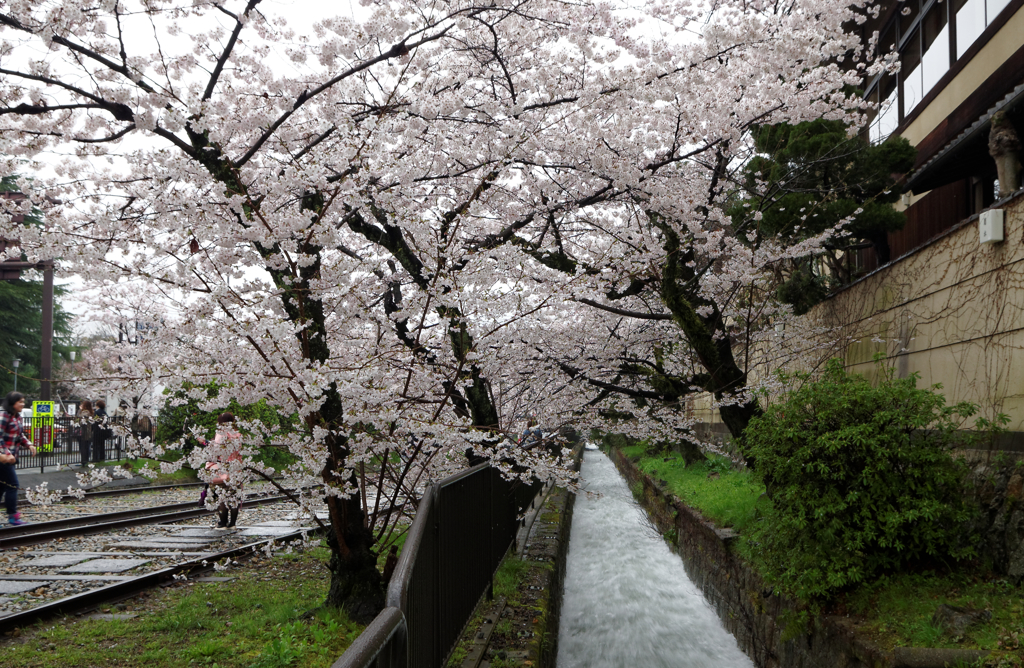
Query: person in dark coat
point(101, 432)
point(86, 418)
point(390, 563)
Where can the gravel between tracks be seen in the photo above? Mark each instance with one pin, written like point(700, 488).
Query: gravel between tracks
point(14, 561)
point(105, 504)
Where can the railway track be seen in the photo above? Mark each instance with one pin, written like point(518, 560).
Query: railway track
point(41, 532)
point(84, 561)
point(128, 587)
point(125, 491)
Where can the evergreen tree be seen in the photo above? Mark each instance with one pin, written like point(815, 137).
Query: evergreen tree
point(813, 176)
point(21, 326)
point(21, 334)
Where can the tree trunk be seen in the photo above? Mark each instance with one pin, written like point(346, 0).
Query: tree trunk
point(356, 585)
point(724, 375)
point(691, 452)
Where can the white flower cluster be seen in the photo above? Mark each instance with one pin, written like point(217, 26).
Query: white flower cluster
point(425, 227)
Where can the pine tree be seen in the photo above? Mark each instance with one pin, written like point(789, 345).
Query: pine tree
point(808, 178)
point(21, 325)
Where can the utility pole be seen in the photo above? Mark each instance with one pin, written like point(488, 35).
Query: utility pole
point(46, 365)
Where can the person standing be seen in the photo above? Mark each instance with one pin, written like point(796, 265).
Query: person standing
point(142, 426)
point(101, 432)
point(226, 449)
point(12, 437)
point(86, 418)
point(532, 435)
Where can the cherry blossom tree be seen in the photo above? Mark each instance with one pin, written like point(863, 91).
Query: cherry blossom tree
point(408, 228)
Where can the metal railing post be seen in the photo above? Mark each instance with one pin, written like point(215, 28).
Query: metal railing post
point(39, 446)
point(490, 533)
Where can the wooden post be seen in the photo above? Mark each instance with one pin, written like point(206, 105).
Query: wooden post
point(46, 361)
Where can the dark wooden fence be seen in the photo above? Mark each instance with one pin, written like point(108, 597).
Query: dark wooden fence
point(464, 526)
point(932, 215)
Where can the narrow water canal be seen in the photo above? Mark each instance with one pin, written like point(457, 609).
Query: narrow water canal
point(628, 601)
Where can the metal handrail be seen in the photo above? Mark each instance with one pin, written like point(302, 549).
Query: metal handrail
point(379, 646)
point(373, 646)
point(464, 473)
point(398, 588)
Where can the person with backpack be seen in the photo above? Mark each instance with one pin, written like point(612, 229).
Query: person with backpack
point(12, 437)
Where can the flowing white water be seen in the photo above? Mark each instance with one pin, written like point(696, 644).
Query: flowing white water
point(628, 602)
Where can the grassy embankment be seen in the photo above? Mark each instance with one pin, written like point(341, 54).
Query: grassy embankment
point(259, 620)
point(893, 611)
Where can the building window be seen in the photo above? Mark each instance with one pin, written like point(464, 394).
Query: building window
point(887, 116)
point(935, 46)
point(970, 23)
point(927, 34)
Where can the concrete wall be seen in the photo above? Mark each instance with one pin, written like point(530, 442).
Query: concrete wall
point(953, 312)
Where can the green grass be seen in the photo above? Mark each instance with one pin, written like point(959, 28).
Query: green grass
point(458, 656)
point(183, 474)
point(728, 500)
point(899, 610)
point(254, 621)
point(277, 457)
point(508, 579)
point(895, 611)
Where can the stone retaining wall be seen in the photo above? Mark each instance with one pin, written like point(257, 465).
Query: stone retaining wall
point(998, 488)
point(746, 606)
point(549, 544)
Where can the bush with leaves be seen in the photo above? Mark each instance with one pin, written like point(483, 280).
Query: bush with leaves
point(861, 481)
point(176, 418)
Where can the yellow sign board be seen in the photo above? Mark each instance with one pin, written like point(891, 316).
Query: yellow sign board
point(42, 425)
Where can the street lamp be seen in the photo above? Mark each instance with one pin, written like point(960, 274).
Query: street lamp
point(16, 363)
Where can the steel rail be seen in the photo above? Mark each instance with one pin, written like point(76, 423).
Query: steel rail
point(123, 490)
point(134, 489)
point(89, 600)
point(88, 530)
point(97, 518)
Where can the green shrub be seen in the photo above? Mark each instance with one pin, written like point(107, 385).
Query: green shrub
point(860, 481)
point(175, 420)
